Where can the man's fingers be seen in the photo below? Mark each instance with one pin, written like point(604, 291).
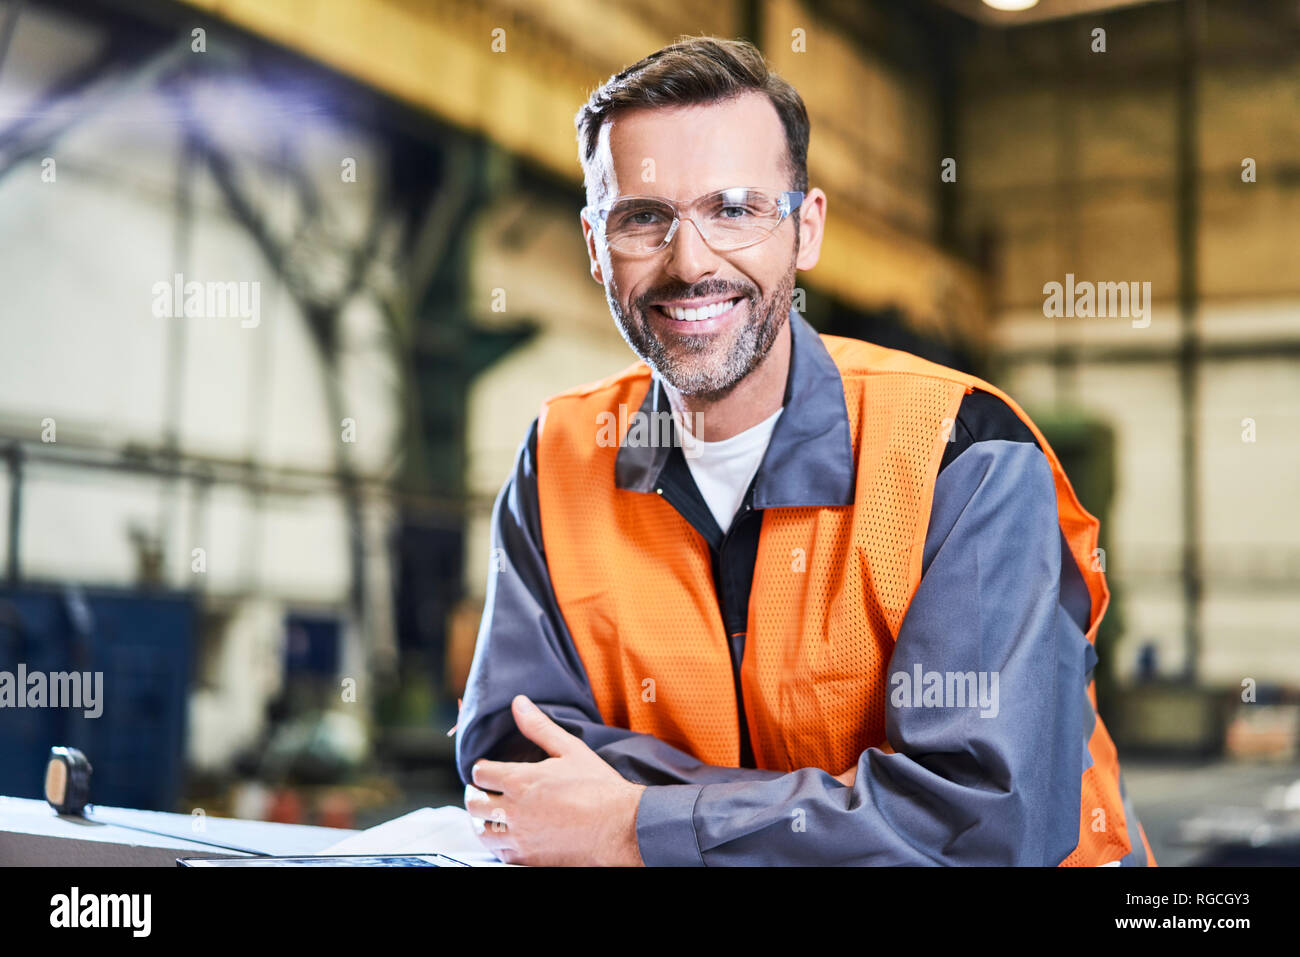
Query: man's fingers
point(538, 728)
point(491, 775)
point(486, 808)
point(488, 818)
point(499, 843)
point(477, 802)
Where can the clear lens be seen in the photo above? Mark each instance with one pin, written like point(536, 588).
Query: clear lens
point(729, 218)
point(739, 209)
point(639, 223)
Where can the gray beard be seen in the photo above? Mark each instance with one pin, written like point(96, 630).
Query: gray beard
point(675, 366)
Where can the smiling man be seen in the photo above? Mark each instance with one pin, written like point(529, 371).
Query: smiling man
point(845, 616)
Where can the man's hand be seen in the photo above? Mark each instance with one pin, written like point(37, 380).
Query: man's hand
point(847, 778)
point(570, 809)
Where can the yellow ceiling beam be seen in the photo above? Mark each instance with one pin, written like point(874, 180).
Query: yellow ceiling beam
point(439, 57)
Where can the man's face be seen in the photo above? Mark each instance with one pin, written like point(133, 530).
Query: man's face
point(682, 153)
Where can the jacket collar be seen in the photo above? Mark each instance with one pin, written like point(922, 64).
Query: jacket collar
point(809, 460)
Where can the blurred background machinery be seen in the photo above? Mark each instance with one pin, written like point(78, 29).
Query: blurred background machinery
point(265, 516)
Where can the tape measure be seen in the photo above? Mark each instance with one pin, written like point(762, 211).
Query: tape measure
point(67, 781)
point(67, 789)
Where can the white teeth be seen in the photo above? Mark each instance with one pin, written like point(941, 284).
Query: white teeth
point(695, 315)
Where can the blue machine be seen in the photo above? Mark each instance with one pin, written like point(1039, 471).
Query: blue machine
point(142, 643)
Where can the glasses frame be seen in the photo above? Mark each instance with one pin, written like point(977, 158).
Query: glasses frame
point(787, 202)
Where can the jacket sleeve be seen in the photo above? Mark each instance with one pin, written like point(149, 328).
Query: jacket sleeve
point(991, 785)
point(524, 647)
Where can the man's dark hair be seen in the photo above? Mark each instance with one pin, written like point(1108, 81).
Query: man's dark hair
point(695, 71)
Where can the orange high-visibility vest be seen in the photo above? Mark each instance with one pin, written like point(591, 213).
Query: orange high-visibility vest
point(633, 580)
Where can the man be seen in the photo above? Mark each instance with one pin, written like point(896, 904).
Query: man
point(843, 616)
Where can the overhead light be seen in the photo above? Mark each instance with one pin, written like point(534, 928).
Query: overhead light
point(1011, 4)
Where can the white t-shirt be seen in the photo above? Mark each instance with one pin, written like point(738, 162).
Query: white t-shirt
point(723, 470)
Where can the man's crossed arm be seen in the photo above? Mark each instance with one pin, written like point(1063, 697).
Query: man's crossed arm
point(959, 787)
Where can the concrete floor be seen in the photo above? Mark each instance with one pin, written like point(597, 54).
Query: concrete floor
point(1165, 793)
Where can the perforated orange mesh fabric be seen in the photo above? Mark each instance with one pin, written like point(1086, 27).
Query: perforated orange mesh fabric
point(1103, 828)
point(831, 585)
point(635, 584)
point(1079, 526)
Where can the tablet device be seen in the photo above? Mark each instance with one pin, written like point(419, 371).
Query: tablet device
point(326, 860)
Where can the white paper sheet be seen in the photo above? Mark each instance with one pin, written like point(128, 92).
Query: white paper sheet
point(430, 830)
